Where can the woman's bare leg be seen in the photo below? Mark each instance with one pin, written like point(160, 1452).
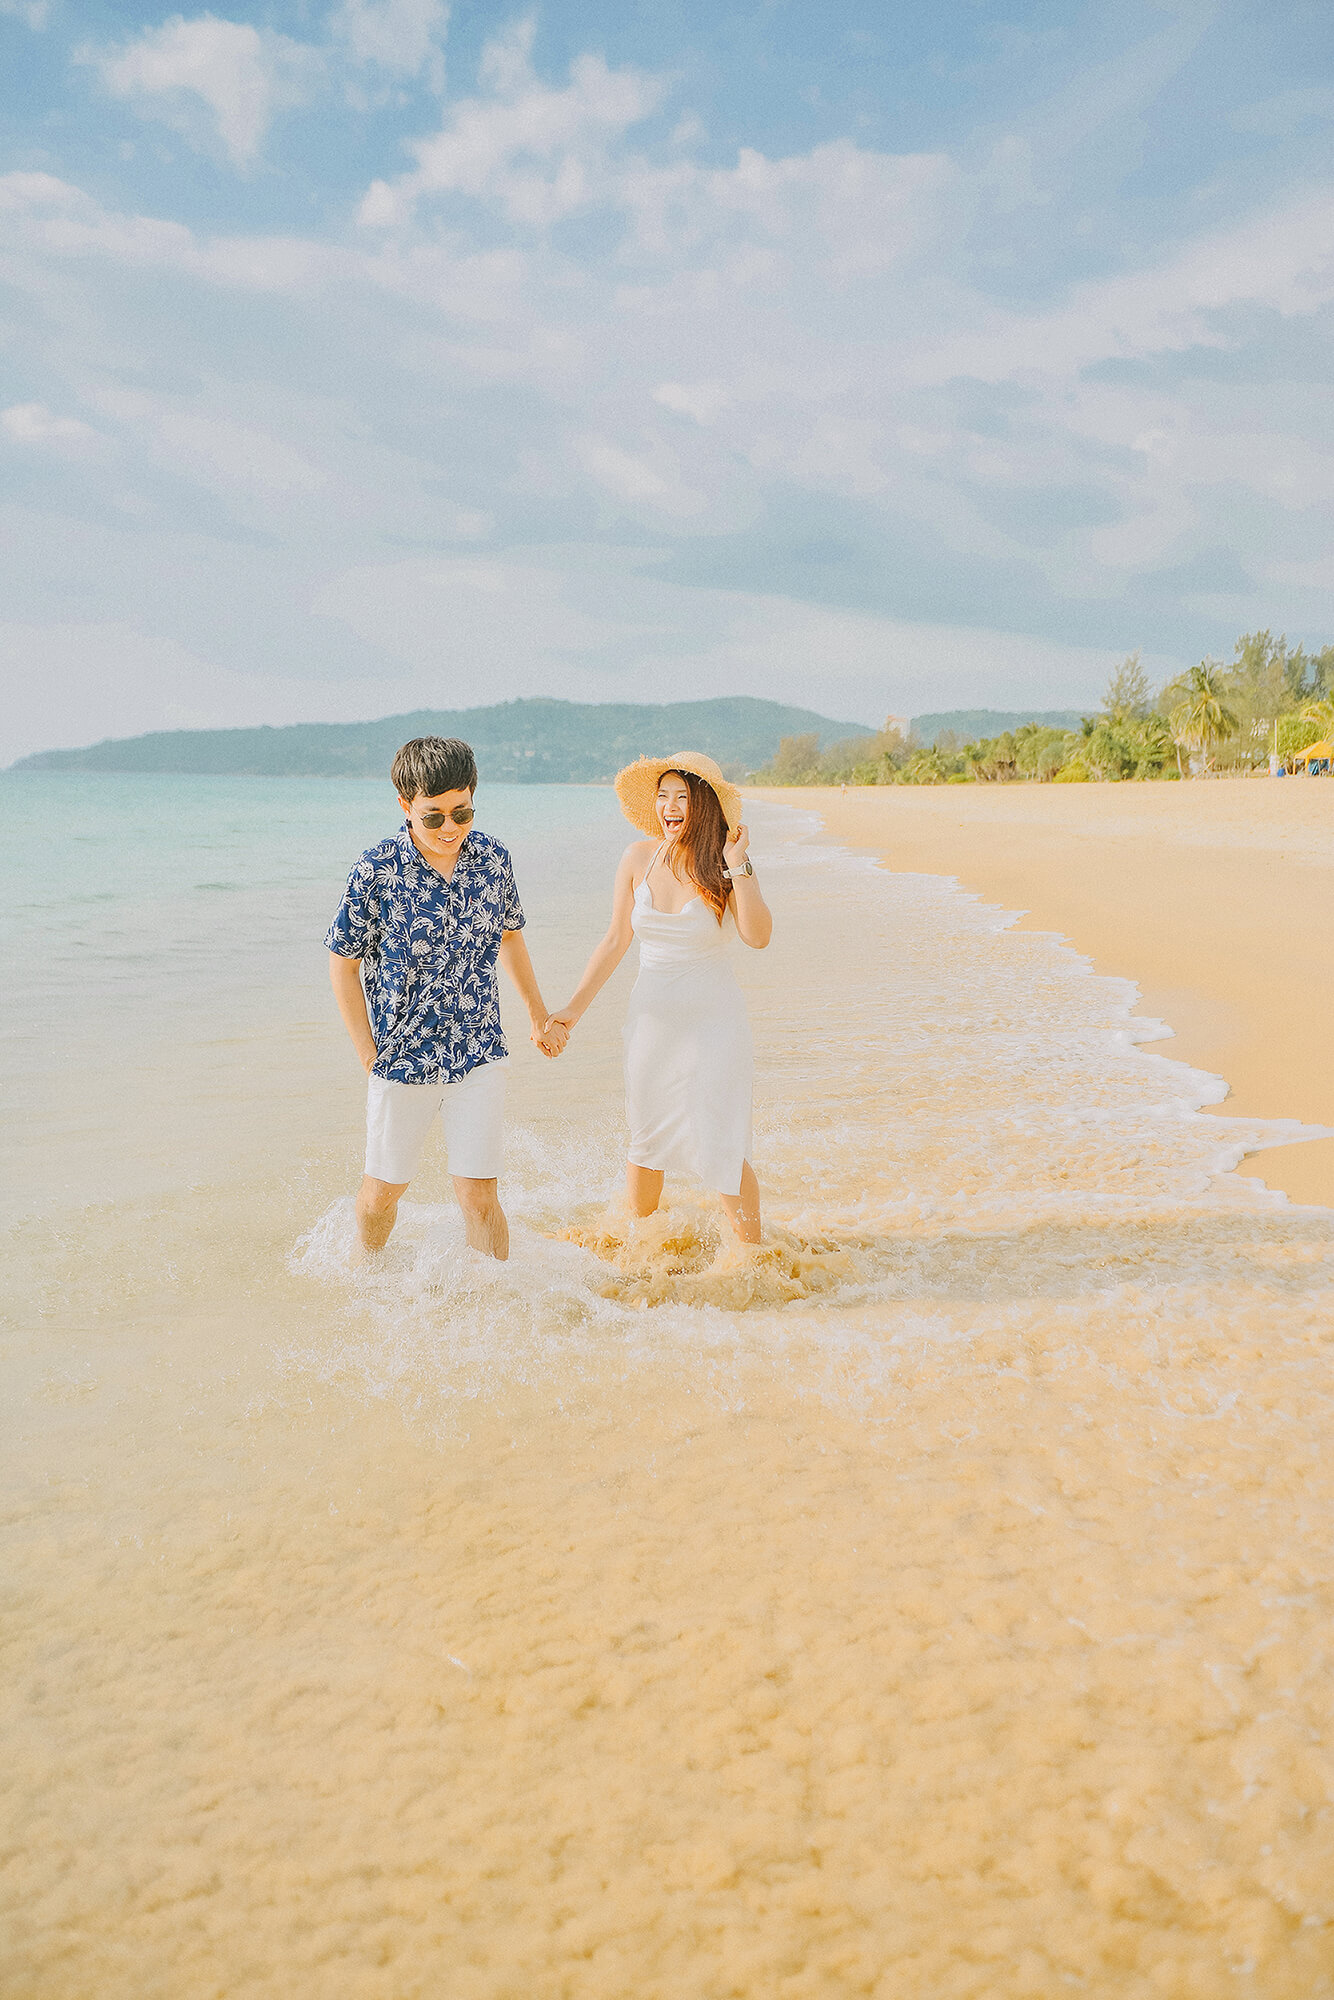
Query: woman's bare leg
point(643, 1188)
point(744, 1208)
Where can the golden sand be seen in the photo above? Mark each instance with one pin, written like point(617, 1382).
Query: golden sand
point(1015, 1681)
point(947, 1618)
point(1216, 897)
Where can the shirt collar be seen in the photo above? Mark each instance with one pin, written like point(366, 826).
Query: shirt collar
point(408, 849)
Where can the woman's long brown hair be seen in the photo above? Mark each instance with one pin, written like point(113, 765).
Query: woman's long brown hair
point(700, 844)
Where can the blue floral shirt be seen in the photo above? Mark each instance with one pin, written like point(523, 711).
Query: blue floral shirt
point(428, 949)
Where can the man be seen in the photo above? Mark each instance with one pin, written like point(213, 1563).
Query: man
point(413, 953)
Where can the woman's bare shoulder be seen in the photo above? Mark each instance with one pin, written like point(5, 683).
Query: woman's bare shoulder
point(633, 864)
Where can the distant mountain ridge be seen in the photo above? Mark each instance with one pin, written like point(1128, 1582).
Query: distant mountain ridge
point(535, 741)
point(970, 725)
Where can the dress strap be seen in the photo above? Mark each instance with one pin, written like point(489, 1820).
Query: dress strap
point(657, 856)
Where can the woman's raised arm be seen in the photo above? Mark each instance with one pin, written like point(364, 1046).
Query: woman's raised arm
point(754, 920)
point(608, 954)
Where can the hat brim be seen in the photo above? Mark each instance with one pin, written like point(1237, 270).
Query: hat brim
point(637, 789)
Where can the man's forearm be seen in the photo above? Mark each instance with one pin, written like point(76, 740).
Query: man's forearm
point(345, 978)
point(519, 966)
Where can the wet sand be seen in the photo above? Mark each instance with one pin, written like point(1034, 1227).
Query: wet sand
point(1216, 898)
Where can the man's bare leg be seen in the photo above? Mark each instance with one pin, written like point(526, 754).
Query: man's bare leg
point(744, 1208)
point(377, 1210)
point(643, 1189)
point(483, 1217)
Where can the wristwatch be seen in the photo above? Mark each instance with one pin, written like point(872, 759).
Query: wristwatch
point(744, 869)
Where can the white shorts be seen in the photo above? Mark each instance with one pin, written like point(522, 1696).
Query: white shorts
point(472, 1111)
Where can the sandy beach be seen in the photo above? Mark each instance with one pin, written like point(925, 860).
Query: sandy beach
point(934, 1606)
point(1215, 897)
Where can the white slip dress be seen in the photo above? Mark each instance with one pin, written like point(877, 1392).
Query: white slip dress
point(688, 1058)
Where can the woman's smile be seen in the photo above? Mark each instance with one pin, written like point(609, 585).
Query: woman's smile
point(673, 803)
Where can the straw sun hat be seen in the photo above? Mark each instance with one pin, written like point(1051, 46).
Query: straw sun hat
point(637, 788)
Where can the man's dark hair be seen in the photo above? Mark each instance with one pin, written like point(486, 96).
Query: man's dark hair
point(430, 765)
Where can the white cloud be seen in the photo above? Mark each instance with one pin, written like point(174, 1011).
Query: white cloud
point(644, 478)
point(33, 13)
point(33, 423)
point(237, 454)
point(813, 378)
point(39, 212)
point(538, 154)
point(403, 37)
point(1195, 448)
point(1317, 575)
point(597, 630)
point(1274, 116)
point(1009, 176)
point(853, 213)
point(701, 400)
point(1282, 261)
point(210, 79)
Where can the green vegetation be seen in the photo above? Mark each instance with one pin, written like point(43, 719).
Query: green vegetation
point(974, 725)
point(1303, 727)
point(525, 742)
point(1201, 719)
point(1269, 699)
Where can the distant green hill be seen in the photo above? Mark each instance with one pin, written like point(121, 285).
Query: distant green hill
point(531, 742)
point(969, 725)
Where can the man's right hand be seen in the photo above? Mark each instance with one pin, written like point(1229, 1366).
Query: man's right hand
point(553, 1035)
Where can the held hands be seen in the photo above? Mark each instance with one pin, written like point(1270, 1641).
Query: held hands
point(555, 1032)
point(552, 1035)
point(734, 850)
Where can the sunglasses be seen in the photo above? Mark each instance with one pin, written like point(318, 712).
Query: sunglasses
point(460, 816)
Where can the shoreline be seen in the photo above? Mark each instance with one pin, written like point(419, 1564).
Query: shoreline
point(1214, 899)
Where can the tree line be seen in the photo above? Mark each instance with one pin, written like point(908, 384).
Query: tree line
point(1270, 699)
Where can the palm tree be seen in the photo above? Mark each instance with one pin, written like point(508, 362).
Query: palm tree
point(1202, 717)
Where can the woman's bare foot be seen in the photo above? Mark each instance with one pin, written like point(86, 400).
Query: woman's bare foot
point(643, 1189)
point(744, 1208)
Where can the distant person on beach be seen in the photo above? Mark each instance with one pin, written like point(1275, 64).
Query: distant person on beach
point(413, 953)
point(688, 1058)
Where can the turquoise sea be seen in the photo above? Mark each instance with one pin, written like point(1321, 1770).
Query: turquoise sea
point(170, 934)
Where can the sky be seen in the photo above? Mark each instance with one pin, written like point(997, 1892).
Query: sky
point(881, 358)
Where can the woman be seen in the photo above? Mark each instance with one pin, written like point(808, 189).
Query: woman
point(687, 1040)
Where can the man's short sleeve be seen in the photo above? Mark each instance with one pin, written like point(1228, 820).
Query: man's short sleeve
point(512, 918)
point(353, 928)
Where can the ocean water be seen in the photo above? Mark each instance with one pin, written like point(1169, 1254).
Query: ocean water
point(936, 1603)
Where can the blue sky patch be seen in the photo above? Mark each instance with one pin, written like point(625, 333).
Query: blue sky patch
point(367, 356)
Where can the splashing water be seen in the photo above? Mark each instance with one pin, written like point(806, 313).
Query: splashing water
point(682, 1255)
